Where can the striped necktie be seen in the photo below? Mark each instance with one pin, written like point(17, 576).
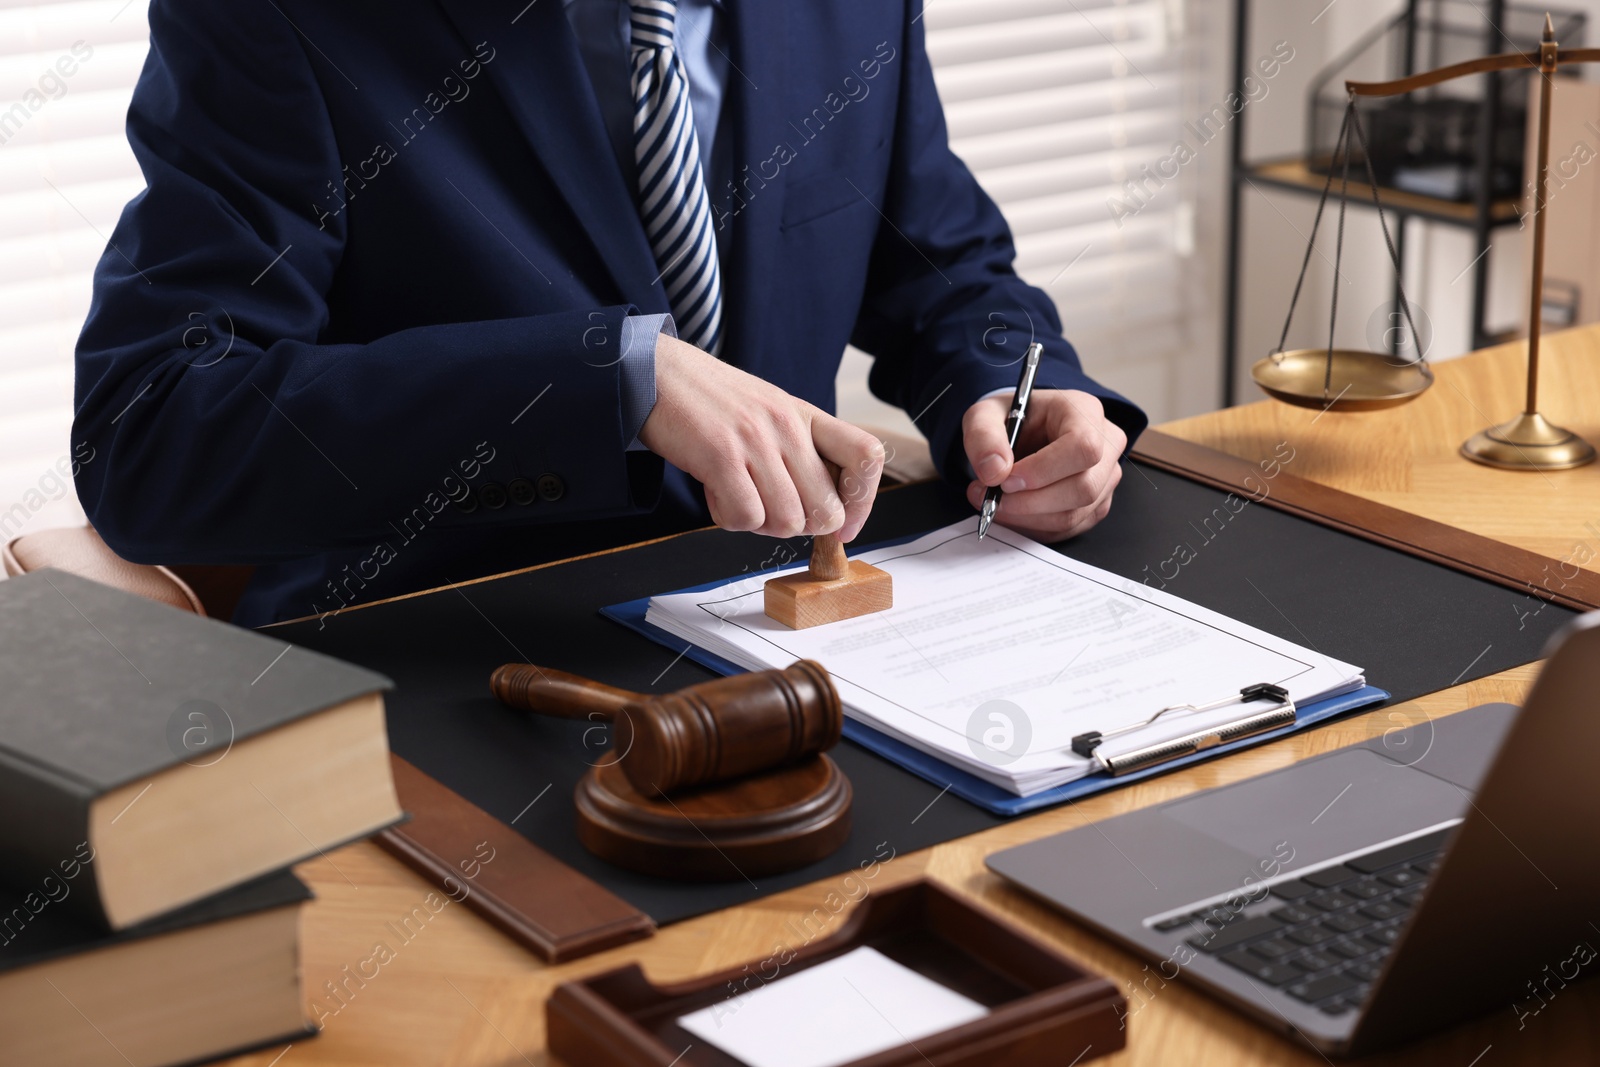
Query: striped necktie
point(672, 191)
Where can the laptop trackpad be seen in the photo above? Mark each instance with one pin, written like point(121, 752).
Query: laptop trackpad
point(1344, 802)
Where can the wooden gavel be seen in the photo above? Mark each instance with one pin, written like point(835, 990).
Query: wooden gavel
point(707, 733)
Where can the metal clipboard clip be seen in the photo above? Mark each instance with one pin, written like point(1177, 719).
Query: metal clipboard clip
point(1088, 744)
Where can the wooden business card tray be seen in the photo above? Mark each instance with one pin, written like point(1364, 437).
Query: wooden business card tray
point(1044, 1008)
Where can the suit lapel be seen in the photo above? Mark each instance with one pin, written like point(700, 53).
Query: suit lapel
point(758, 31)
point(539, 73)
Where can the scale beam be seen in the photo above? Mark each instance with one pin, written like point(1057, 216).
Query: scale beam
point(1505, 61)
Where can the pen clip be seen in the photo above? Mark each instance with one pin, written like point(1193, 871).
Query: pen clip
point(1024, 394)
point(1030, 370)
point(1088, 744)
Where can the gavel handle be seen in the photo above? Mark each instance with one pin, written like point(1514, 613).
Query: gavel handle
point(547, 691)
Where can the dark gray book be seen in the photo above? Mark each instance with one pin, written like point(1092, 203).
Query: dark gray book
point(216, 977)
point(170, 756)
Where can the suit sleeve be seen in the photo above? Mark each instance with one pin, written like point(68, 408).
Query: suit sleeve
point(223, 431)
point(945, 316)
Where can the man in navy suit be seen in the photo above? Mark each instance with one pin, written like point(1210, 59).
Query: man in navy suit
point(402, 301)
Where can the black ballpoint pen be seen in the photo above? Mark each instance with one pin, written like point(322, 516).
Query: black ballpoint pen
point(1019, 412)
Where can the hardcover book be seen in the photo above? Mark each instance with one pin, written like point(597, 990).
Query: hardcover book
point(166, 756)
point(215, 977)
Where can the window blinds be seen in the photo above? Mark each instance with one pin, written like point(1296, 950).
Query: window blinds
point(1059, 106)
point(66, 73)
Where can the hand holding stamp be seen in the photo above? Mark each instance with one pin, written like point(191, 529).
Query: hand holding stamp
point(834, 587)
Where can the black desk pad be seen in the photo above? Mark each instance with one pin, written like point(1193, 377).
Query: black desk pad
point(1415, 626)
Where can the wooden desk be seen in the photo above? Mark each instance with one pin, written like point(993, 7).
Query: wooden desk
point(1406, 456)
point(461, 995)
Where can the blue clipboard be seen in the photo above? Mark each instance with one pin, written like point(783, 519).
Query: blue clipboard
point(969, 787)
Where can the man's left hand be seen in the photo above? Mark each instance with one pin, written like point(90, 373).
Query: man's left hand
point(1062, 484)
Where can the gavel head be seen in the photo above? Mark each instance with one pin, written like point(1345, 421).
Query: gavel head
point(727, 728)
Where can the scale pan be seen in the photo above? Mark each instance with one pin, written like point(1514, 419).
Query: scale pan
point(1361, 381)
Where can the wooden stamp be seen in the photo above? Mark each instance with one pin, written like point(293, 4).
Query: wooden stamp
point(833, 588)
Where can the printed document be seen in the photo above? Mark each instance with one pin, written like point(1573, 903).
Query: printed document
point(998, 652)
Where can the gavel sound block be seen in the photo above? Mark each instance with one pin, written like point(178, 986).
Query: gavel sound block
point(717, 782)
point(833, 588)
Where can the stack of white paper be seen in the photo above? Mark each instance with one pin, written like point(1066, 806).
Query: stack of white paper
point(998, 652)
point(844, 1010)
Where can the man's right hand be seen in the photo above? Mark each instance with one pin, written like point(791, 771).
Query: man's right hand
point(758, 451)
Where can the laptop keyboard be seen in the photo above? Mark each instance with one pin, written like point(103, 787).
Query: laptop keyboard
point(1321, 938)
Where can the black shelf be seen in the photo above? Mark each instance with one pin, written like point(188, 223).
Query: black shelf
point(1299, 175)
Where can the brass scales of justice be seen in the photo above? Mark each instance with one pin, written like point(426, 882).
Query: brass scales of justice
point(1340, 379)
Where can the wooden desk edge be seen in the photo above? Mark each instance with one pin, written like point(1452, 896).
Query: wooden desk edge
point(1494, 561)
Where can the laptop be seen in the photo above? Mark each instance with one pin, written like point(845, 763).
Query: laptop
point(1375, 893)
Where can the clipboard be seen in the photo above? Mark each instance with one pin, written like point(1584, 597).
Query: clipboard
point(973, 789)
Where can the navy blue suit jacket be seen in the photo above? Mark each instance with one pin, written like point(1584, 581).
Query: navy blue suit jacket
point(361, 327)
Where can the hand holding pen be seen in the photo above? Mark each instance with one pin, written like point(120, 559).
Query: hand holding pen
point(1014, 420)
